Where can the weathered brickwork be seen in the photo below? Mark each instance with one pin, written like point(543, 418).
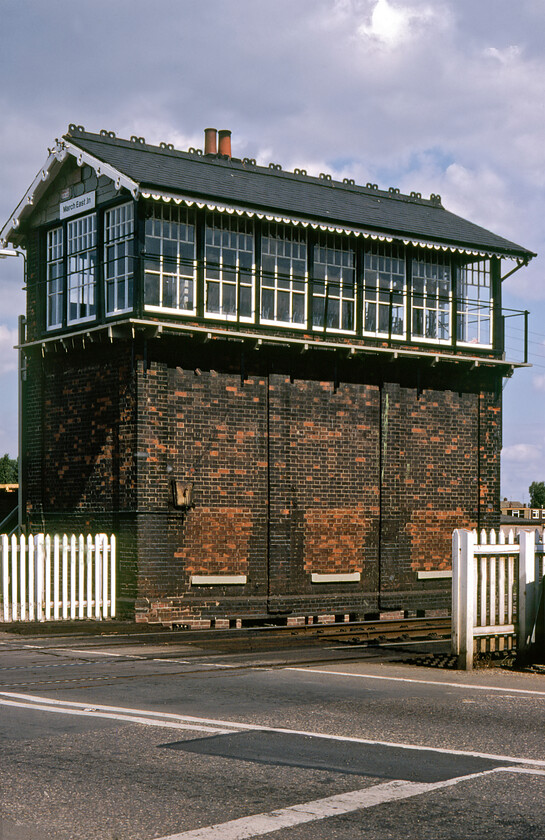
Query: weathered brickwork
point(435, 447)
point(291, 473)
point(78, 446)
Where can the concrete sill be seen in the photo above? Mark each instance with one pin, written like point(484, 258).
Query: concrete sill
point(218, 580)
point(352, 577)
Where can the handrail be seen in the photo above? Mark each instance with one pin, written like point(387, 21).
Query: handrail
point(10, 523)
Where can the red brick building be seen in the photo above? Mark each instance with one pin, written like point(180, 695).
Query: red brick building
point(281, 392)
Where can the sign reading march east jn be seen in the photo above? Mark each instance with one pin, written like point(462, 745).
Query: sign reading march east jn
point(78, 204)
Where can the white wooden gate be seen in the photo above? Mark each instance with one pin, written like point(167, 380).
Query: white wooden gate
point(496, 582)
point(56, 578)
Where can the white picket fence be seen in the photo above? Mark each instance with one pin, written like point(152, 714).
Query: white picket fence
point(57, 578)
point(496, 582)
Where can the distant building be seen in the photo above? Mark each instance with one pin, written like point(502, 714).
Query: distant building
point(518, 510)
point(281, 392)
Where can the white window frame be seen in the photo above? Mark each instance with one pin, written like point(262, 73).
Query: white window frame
point(55, 279)
point(474, 314)
point(179, 269)
point(334, 255)
point(283, 243)
point(431, 301)
point(118, 258)
point(224, 235)
point(81, 239)
point(384, 282)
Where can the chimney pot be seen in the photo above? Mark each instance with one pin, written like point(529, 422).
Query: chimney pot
point(210, 147)
point(225, 142)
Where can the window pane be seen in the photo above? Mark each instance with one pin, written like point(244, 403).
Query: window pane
point(229, 300)
point(245, 302)
point(81, 237)
point(431, 297)
point(229, 259)
point(267, 305)
point(55, 278)
point(118, 244)
point(169, 290)
point(213, 297)
point(474, 312)
point(170, 253)
point(333, 286)
point(384, 289)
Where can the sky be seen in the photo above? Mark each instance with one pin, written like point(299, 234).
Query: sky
point(435, 96)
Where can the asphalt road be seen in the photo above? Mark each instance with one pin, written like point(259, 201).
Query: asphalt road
point(129, 739)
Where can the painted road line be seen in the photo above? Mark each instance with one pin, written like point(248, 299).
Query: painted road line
point(228, 727)
point(67, 705)
point(332, 806)
point(87, 652)
point(93, 712)
point(502, 690)
point(171, 661)
point(371, 647)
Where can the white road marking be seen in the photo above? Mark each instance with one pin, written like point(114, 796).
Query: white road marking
point(152, 718)
point(171, 661)
point(332, 806)
point(349, 647)
point(90, 652)
point(96, 653)
point(421, 682)
point(92, 711)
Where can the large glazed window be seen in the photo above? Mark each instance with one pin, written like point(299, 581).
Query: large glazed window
point(170, 266)
point(55, 278)
point(118, 259)
point(384, 290)
point(283, 275)
point(229, 268)
point(431, 298)
point(333, 285)
point(474, 311)
point(81, 238)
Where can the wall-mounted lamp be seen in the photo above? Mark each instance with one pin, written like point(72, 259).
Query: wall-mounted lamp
point(11, 252)
point(182, 494)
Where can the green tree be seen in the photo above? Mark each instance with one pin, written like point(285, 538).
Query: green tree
point(8, 470)
point(537, 494)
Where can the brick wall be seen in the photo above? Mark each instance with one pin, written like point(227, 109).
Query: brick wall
point(79, 445)
point(299, 464)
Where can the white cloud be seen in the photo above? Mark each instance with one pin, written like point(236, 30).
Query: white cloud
point(522, 453)
point(505, 56)
point(8, 356)
point(538, 382)
point(392, 25)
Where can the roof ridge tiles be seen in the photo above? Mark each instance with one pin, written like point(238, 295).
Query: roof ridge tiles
point(110, 138)
point(135, 166)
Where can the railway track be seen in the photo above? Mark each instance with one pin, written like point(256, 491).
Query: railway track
point(247, 638)
point(352, 632)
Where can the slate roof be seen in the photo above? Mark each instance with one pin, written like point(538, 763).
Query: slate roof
point(244, 185)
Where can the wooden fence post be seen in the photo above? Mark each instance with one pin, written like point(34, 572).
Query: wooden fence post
point(455, 610)
point(466, 599)
point(5, 576)
point(113, 580)
point(40, 573)
point(526, 590)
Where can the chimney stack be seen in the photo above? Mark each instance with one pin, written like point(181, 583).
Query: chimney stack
point(225, 143)
point(210, 141)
